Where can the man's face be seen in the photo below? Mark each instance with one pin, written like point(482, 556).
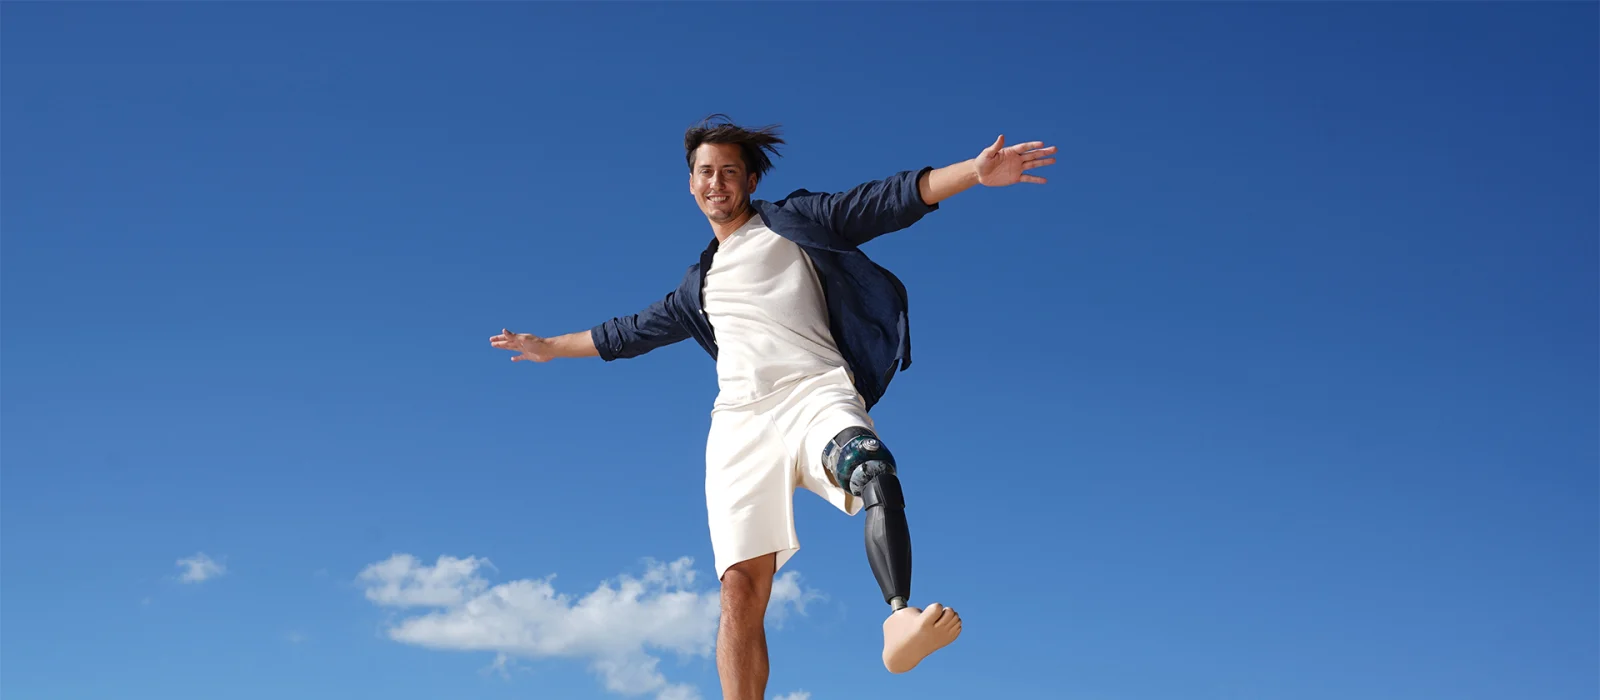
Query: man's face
point(719, 182)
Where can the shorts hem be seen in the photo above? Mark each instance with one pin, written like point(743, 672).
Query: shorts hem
point(785, 553)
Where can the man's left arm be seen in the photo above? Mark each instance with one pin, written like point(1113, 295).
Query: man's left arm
point(996, 166)
point(873, 209)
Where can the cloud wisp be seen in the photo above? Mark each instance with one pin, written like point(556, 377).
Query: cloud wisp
point(200, 568)
point(621, 629)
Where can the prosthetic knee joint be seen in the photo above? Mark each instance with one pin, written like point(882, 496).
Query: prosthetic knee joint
point(861, 464)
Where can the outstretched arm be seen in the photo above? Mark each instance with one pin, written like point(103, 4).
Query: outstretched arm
point(625, 336)
point(633, 335)
point(536, 349)
point(873, 209)
point(995, 166)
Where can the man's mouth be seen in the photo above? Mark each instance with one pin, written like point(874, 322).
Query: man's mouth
point(717, 198)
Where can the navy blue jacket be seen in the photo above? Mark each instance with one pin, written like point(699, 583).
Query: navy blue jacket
point(867, 304)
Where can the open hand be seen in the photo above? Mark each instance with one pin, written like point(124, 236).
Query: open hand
point(1000, 165)
point(528, 346)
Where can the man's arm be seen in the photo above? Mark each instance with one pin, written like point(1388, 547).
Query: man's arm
point(636, 334)
point(940, 184)
point(995, 166)
point(621, 337)
point(532, 348)
point(868, 210)
point(873, 209)
point(572, 345)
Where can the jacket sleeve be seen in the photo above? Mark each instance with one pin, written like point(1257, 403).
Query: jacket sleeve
point(868, 210)
point(636, 334)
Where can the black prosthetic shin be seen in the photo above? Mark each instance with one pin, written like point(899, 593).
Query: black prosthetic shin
point(861, 464)
point(888, 538)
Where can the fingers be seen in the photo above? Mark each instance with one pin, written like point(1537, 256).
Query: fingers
point(506, 340)
point(1032, 150)
point(1035, 179)
point(1030, 164)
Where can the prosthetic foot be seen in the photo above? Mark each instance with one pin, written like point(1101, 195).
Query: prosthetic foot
point(860, 462)
point(910, 635)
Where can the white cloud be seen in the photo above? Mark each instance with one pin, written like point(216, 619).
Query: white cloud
point(796, 695)
point(501, 665)
point(402, 581)
point(200, 568)
point(786, 593)
point(620, 629)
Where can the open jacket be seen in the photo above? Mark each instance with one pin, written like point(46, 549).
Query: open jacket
point(867, 304)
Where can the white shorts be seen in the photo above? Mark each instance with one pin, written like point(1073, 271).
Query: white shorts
point(758, 453)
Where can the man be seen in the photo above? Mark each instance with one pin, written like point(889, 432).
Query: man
point(806, 333)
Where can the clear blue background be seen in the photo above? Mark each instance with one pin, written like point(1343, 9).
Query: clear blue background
point(1283, 387)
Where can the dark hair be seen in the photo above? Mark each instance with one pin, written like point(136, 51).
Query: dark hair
point(751, 142)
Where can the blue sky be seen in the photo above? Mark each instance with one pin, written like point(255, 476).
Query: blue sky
point(1283, 387)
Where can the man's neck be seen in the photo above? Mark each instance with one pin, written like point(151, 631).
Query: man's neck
point(723, 230)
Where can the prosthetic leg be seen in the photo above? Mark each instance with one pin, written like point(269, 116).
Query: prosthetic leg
point(860, 463)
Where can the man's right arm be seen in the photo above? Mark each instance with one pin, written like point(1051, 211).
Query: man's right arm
point(580, 344)
point(635, 334)
point(631, 335)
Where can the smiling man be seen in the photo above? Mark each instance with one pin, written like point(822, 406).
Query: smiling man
point(806, 332)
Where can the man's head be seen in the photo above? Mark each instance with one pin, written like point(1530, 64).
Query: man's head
point(726, 162)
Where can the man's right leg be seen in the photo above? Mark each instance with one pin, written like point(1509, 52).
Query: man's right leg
point(750, 510)
point(741, 635)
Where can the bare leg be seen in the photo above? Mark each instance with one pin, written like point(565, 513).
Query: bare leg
point(742, 634)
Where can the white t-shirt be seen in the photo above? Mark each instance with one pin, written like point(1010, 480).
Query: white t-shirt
point(765, 304)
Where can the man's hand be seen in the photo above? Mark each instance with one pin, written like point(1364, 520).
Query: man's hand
point(995, 166)
point(537, 349)
point(1000, 165)
point(528, 346)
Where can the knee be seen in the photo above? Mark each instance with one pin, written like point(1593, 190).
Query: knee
point(747, 585)
point(855, 457)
